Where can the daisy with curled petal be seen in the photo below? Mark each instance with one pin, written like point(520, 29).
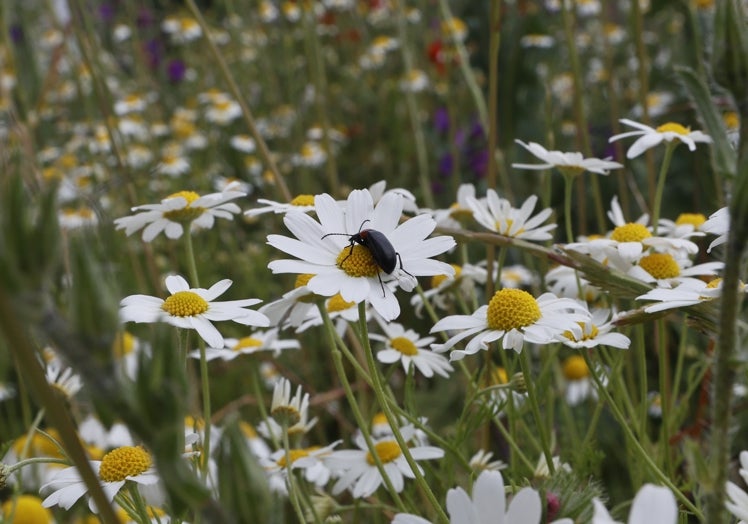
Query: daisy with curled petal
point(595, 332)
point(498, 215)
point(357, 469)
point(179, 210)
point(192, 308)
point(717, 224)
point(409, 348)
point(254, 343)
point(689, 292)
point(324, 249)
point(515, 317)
point(117, 468)
point(459, 213)
point(666, 270)
point(567, 163)
point(651, 504)
point(650, 137)
point(310, 460)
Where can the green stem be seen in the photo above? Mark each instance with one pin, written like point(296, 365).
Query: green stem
point(664, 379)
point(661, 184)
point(568, 186)
point(363, 425)
point(290, 479)
point(205, 387)
point(190, 255)
point(641, 452)
point(393, 421)
point(532, 396)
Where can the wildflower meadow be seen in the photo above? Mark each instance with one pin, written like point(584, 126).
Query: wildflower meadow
point(373, 261)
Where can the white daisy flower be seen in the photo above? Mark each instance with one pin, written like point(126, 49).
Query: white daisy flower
point(340, 265)
point(407, 347)
point(115, 469)
point(257, 446)
point(595, 332)
point(689, 292)
point(666, 270)
point(293, 307)
point(563, 281)
point(650, 137)
point(223, 111)
point(579, 383)
point(685, 226)
point(481, 461)
point(173, 163)
point(379, 189)
point(651, 504)
point(358, 472)
point(93, 432)
point(254, 343)
point(717, 224)
point(514, 316)
point(287, 409)
point(192, 308)
point(310, 460)
point(488, 504)
point(443, 287)
point(341, 312)
point(497, 214)
point(567, 163)
point(303, 203)
point(243, 143)
point(179, 209)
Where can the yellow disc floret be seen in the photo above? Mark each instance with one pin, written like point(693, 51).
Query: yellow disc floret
point(631, 232)
point(588, 333)
point(575, 368)
point(357, 262)
point(672, 127)
point(247, 343)
point(26, 509)
point(303, 200)
point(694, 219)
point(185, 304)
point(336, 303)
point(127, 461)
point(512, 309)
point(293, 455)
point(438, 280)
point(715, 283)
point(660, 265)
point(404, 346)
point(387, 450)
point(187, 213)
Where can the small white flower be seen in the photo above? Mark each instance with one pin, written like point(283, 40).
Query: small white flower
point(651, 504)
point(595, 332)
point(192, 308)
point(304, 203)
point(407, 347)
point(689, 292)
point(310, 460)
point(286, 409)
point(185, 207)
point(718, 223)
point(567, 163)
point(498, 215)
point(514, 316)
point(650, 137)
point(358, 472)
point(254, 343)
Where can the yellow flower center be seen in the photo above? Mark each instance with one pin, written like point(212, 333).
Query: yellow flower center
point(404, 346)
point(303, 280)
point(505, 230)
point(26, 509)
point(185, 304)
point(294, 455)
point(387, 450)
point(196, 424)
point(593, 332)
point(357, 261)
point(714, 284)
point(380, 419)
point(575, 368)
point(460, 213)
point(40, 446)
point(511, 309)
point(124, 343)
point(672, 127)
point(247, 342)
point(303, 200)
point(127, 461)
point(694, 219)
point(247, 430)
point(630, 232)
point(660, 265)
point(498, 375)
point(336, 303)
point(731, 120)
point(438, 280)
point(187, 213)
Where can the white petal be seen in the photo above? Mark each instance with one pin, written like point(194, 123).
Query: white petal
point(654, 504)
point(524, 508)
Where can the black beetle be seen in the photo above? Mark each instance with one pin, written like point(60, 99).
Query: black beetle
point(381, 249)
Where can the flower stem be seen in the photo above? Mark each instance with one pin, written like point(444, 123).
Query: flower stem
point(363, 425)
point(205, 386)
point(391, 418)
point(190, 255)
point(661, 184)
point(532, 396)
point(290, 480)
